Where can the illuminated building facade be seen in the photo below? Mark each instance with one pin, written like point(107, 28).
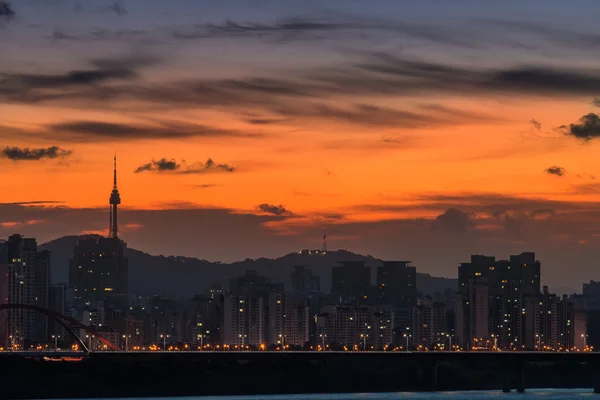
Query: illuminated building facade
point(98, 272)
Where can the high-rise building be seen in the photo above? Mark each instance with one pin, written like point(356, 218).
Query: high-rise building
point(303, 280)
point(507, 283)
point(289, 319)
point(363, 327)
point(591, 299)
point(471, 307)
point(245, 320)
point(57, 300)
point(25, 281)
point(429, 323)
point(247, 317)
point(98, 270)
point(350, 281)
point(397, 287)
point(397, 284)
point(206, 318)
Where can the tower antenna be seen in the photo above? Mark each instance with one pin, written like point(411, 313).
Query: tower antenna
point(115, 200)
point(324, 250)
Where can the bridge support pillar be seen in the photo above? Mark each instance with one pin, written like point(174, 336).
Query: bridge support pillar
point(521, 377)
point(596, 375)
point(506, 387)
point(434, 382)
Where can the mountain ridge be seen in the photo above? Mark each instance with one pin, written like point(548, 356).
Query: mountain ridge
point(187, 276)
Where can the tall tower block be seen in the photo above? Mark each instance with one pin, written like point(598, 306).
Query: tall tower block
point(115, 200)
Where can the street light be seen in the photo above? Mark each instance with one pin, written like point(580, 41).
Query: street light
point(450, 340)
point(584, 336)
point(364, 338)
point(243, 337)
point(323, 340)
point(406, 336)
point(126, 337)
point(282, 341)
point(55, 337)
point(164, 338)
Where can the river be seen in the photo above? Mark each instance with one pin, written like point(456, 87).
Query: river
point(542, 394)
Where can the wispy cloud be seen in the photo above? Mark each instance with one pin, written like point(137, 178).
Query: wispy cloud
point(90, 131)
point(165, 165)
point(30, 154)
point(277, 210)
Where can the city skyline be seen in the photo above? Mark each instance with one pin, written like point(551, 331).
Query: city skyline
point(460, 128)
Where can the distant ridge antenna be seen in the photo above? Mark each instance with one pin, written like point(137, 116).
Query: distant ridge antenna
point(324, 249)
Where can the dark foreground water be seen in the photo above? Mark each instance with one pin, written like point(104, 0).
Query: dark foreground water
point(541, 394)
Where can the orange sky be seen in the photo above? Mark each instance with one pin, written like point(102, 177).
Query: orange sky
point(347, 119)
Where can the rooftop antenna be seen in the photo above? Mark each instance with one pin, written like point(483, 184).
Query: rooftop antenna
point(324, 250)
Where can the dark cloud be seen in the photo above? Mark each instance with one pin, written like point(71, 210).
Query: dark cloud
point(263, 121)
point(161, 165)
point(454, 220)
point(596, 102)
point(536, 124)
point(357, 27)
point(118, 7)
point(297, 98)
point(32, 88)
point(172, 166)
point(27, 154)
point(553, 35)
point(32, 203)
point(208, 167)
point(207, 186)
point(100, 131)
point(279, 210)
point(587, 129)
point(555, 170)
point(371, 115)
point(6, 10)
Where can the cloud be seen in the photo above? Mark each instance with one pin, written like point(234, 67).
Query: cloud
point(208, 167)
point(587, 129)
point(207, 186)
point(536, 124)
point(596, 102)
point(372, 115)
point(159, 166)
point(279, 210)
point(27, 154)
point(555, 170)
point(453, 220)
point(172, 166)
point(91, 131)
point(118, 8)
point(372, 74)
point(32, 88)
point(264, 121)
point(6, 10)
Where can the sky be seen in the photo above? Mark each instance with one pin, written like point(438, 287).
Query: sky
point(422, 130)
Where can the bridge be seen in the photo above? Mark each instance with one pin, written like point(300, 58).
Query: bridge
point(510, 366)
point(62, 320)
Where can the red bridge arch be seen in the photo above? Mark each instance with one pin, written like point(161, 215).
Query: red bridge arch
point(61, 320)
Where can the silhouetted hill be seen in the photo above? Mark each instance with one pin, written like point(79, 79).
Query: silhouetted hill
point(187, 276)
